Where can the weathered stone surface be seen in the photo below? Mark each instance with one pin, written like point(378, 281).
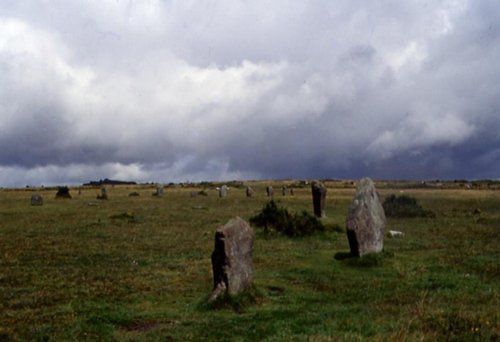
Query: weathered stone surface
point(269, 191)
point(36, 199)
point(63, 192)
point(319, 198)
point(223, 191)
point(232, 258)
point(366, 220)
point(249, 191)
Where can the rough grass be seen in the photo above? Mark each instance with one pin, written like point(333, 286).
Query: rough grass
point(137, 269)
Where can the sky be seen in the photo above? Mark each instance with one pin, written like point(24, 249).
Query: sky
point(184, 90)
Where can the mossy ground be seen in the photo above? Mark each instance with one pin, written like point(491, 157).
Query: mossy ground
point(137, 269)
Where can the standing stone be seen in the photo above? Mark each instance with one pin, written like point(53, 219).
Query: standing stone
point(104, 194)
point(223, 191)
point(232, 258)
point(365, 220)
point(36, 199)
point(291, 192)
point(269, 191)
point(319, 198)
point(159, 190)
point(249, 191)
point(63, 192)
point(284, 190)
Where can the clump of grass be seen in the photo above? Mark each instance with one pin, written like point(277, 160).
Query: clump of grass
point(63, 192)
point(280, 220)
point(405, 206)
point(126, 216)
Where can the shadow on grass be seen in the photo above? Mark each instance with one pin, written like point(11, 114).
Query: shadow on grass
point(368, 260)
point(237, 303)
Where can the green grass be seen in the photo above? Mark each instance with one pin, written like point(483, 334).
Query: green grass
point(138, 269)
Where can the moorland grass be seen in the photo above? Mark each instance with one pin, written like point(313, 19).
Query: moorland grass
point(138, 269)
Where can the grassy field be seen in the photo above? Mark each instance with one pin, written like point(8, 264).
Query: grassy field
point(138, 269)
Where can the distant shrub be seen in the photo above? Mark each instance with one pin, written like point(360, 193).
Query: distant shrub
point(63, 192)
point(405, 206)
point(280, 220)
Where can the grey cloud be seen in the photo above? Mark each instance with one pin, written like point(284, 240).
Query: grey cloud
point(183, 90)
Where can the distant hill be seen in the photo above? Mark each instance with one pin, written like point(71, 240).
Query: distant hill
point(107, 181)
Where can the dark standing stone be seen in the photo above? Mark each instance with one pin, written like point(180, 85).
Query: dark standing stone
point(365, 220)
point(232, 258)
point(223, 191)
point(291, 192)
point(319, 198)
point(36, 199)
point(249, 191)
point(269, 191)
point(284, 190)
point(63, 192)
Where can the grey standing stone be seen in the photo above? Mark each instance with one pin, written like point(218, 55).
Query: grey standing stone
point(232, 258)
point(223, 191)
point(284, 190)
point(104, 194)
point(269, 191)
point(159, 190)
point(319, 198)
point(36, 199)
point(249, 191)
point(366, 220)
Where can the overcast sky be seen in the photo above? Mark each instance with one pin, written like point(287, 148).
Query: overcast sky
point(159, 90)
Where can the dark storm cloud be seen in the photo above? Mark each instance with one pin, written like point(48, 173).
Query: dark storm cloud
point(177, 90)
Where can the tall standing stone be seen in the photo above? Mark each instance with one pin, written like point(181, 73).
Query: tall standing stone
point(232, 258)
point(318, 190)
point(36, 199)
point(284, 190)
point(223, 191)
point(269, 191)
point(365, 220)
point(249, 191)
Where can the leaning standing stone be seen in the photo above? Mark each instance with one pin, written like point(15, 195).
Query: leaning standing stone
point(319, 198)
point(366, 220)
point(36, 199)
point(232, 258)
